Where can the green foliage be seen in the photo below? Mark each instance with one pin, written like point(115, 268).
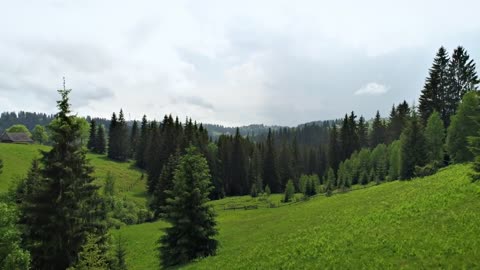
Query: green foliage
point(289, 191)
point(39, 134)
point(379, 163)
point(109, 188)
point(100, 141)
point(192, 219)
point(413, 152)
point(64, 205)
point(12, 256)
point(463, 126)
point(434, 136)
point(254, 190)
point(91, 257)
point(1, 166)
point(379, 131)
point(329, 182)
point(92, 140)
point(394, 159)
point(165, 183)
point(267, 190)
point(120, 254)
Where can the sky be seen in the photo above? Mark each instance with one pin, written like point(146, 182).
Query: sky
point(226, 62)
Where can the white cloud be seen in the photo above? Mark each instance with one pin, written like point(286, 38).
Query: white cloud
point(372, 89)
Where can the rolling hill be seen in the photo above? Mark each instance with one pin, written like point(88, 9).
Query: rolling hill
point(17, 158)
point(427, 222)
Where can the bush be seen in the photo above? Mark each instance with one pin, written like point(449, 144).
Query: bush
point(429, 169)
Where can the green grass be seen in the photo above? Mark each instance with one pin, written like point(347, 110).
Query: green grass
point(424, 223)
point(17, 160)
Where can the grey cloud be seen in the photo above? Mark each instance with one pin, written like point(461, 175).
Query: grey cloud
point(193, 100)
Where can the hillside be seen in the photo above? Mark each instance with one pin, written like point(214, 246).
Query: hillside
point(17, 159)
point(423, 223)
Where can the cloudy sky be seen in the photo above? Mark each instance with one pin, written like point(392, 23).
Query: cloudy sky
point(226, 62)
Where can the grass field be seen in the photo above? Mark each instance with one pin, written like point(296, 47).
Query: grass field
point(431, 222)
point(424, 223)
point(17, 160)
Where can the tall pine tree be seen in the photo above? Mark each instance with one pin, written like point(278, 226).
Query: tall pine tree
point(64, 208)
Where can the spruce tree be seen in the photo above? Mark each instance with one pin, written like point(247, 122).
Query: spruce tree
point(93, 135)
point(113, 137)
point(270, 173)
point(434, 93)
point(165, 183)
point(435, 136)
point(378, 134)
point(192, 219)
point(463, 126)
point(462, 77)
point(362, 133)
point(333, 149)
point(329, 182)
point(100, 141)
point(239, 183)
point(64, 207)
point(394, 160)
point(122, 138)
point(142, 144)
point(289, 191)
point(413, 152)
point(133, 140)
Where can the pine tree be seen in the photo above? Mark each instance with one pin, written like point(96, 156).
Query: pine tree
point(93, 134)
point(91, 257)
point(165, 183)
point(100, 141)
point(398, 119)
point(378, 133)
point(413, 152)
point(434, 93)
point(239, 183)
point(289, 191)
point(113, 138)
point(122, 138)
point(192, 219)
point(362, 133)
point(434, 135)
point(463, 126)
point(270, 173)
point(142, 144)
point(394, 150)
point(462, 77)
point(64, 208)
point(120, 255)
point(329, 182)
point(333, 149)
point(133, 139)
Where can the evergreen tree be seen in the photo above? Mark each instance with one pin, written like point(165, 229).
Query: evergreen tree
point(333, 149)
point(113, 138)
point(463, 126)
point(462, 77)
point(398, 119)
point(142, 144)
point(120, 255)
point(378, 133)
point(270, 174)
point(434, 93)
point(133, 139)
point(12, 256)
point(91, 257)
point(100, 141)
point(93, 134)
point(329, 182)
point(362, 133)
point(394, 150)
point(435, 135)
point(1, 166)
point(239, 180)
point(289, 191)
point(165, 183)
point(192, 219)
point(413, 152)
point(122, 138)
point(64, 206)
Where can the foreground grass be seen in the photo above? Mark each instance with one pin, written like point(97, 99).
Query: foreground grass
point(424, 223)
point(17, 159)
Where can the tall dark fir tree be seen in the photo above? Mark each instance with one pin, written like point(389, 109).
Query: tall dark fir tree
point(93, 136)
point(434, 93)
point(270, 173)
point(64, 206)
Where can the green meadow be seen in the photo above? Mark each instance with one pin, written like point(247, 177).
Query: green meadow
point(430, 222)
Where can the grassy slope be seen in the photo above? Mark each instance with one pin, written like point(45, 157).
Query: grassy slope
point(423, 223)
point(17, 159)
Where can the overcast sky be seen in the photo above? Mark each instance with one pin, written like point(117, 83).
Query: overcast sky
point(226, 62)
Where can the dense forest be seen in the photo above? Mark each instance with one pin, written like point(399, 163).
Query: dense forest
point(185, 167)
